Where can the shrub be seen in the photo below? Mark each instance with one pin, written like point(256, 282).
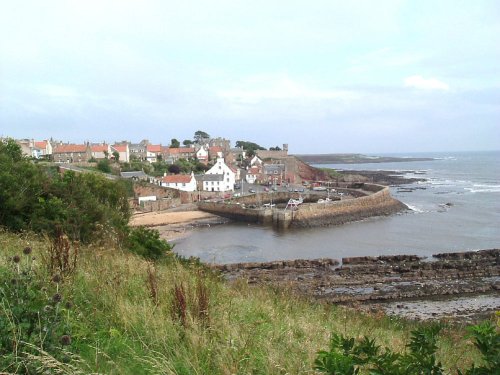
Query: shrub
point(34, 316)
point(349, 357)
point(147, 243)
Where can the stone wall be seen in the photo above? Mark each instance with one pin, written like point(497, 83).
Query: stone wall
point(339, 212)
point(237, 212)
point(378, 203)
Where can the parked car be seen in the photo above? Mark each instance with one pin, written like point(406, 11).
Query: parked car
point(266, 189)
point(251, 190)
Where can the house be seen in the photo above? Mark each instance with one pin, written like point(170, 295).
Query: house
point(71, 153)
point(256, 161)
point(215, 152)
point(202, 154)
point(274, 173)
point(184, 182)
point(123, 152)
point(175, 154)
point(100, 151)
point(152, 153)
point(42, 149)
point(253, 175)
point(138, 150)
point(219, 178)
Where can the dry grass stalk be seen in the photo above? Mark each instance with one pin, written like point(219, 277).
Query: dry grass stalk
point(179, 305)
point(152, 282)
point(62, 255)
point(203, 299)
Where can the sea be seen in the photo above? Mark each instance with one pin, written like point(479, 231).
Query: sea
point(455, 208)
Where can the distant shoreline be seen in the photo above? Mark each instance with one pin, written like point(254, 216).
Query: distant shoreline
point(355, 159)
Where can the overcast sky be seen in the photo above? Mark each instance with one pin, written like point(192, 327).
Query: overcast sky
point(322, 76)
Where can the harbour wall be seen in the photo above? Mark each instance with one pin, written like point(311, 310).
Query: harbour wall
point(378, 203)
point(371, 200)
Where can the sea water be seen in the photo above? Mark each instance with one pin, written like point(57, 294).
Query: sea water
point(455, 208)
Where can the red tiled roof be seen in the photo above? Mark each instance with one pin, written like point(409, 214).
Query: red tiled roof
point(177, 178)
point(41, 144)
point(99, 148)
point(215, 149)
point(120, 148)
point(70, 148)
point(181, 150)
point(153, 148)
point(254, 170)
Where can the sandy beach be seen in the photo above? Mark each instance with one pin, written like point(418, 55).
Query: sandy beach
point(174, 225)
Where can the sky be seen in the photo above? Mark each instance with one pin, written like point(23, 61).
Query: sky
point(323, 76)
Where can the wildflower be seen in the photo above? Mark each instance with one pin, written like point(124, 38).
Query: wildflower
point(16, 258)
point(68, 305)
point(27, 250)
point(56, 298)
point(65, 340)
point(56, 278)
point(47, 308)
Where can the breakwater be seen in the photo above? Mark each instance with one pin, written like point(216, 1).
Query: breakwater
point(366, 200)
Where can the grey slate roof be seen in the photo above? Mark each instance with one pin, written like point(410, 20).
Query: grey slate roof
point(134, 174)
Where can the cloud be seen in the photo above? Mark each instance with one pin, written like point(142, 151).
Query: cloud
point(421, 83)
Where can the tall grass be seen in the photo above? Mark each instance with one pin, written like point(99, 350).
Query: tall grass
point(129, 316)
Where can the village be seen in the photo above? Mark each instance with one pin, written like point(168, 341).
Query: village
point(204, 165)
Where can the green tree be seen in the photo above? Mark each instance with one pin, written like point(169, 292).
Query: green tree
point(103, 166)
point(187, 142)
point(116, 156)
point(201, 137)
point(21, 183)
point(174, 143)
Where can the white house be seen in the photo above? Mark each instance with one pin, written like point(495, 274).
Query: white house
point(100, 151)
point(202, 155)
point(123, 152)
point(252, 175)
point(152, 152)
point(256, 161)
point(184, 182)
point(219, 178)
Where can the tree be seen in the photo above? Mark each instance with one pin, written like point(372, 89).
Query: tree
point(277, 148)
point(174, 168)
point(174, 143)
point(201, 137)
point(187, 142)
point(249, 145)
point(103, 166)
point(116, 155)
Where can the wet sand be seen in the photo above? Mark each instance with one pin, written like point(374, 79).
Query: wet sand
point(174, 225)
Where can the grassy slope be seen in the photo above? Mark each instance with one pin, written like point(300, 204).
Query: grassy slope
point(118, 329)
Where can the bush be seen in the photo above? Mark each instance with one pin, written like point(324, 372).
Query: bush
point(349, 357)
point(82, 205)
point(148, 244)
point(34, 316)
point(103, 166)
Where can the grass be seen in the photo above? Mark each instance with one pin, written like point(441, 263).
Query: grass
point(129, 316)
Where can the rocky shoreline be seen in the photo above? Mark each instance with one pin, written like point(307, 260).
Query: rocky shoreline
point(369, 280)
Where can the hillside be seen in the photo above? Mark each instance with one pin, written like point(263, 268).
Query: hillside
point(115, 313)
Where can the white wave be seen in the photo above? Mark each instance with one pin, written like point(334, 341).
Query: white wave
point(414, 208)
point(484, 189)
